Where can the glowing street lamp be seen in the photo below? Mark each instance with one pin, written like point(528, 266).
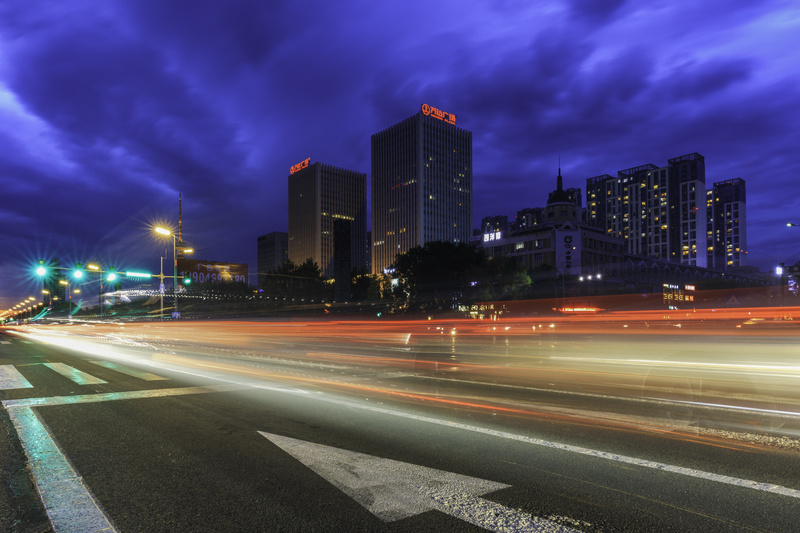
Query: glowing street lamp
point(168, 233)
point(186, 281)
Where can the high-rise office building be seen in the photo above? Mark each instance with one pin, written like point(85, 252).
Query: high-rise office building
point(726, 228)
point(421, 185)
point(656, 210)
point(273, 251)
point(319, 195)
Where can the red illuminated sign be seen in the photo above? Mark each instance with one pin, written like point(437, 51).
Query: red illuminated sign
point(299, 166)
point(438, 113)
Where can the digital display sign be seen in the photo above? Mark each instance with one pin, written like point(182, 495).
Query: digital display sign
point(438, 113)
point(675, 294)
point(299, 166)
point(200, 271)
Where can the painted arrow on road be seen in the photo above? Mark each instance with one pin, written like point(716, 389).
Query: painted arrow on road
point(393, 490)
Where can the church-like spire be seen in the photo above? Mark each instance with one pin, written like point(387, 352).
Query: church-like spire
point(559, 179)
point(559, 195)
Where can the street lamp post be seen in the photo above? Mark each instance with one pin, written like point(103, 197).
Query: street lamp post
point(168, 233)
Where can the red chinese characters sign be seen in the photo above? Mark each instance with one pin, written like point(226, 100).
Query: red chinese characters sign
point(299, 166)
point(438, 113)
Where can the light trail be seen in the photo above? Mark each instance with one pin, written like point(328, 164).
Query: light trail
point(676, 370)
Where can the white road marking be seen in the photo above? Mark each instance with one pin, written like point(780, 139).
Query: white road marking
point(393, 490)
point(147, 376)
point(111, 396)
point(5, 342)
point(81, 378)
point(664, 467)
point(10, 378)
point(67, 500)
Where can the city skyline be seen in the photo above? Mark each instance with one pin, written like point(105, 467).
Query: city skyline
point(107, 113)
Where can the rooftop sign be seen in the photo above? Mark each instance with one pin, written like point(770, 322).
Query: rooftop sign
point(299, 166)
point(438, 113)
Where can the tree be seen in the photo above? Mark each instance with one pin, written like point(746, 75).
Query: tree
point(439, 275)
point(296, 282)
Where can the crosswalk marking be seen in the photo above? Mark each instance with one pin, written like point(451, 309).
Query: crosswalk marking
point(147, 376)
point(81, 378)
point(10, 378)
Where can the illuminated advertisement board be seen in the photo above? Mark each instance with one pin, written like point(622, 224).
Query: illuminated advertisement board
point(496, 236)
point(299, 166)
point(438, 113)
point(200, 271)
point(677, 294)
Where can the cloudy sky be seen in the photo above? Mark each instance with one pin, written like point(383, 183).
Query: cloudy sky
point(109, 110)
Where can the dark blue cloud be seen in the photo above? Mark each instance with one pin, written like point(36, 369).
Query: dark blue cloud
point(109, 110)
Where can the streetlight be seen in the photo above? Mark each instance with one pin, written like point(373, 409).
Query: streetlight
point(168, 233)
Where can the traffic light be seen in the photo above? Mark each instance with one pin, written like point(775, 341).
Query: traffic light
point(41, 270)
point(187, 280)
point(77, 273)
point(111, 276)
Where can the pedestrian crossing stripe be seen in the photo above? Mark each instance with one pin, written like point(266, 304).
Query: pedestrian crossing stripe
point(11, 378)
point(79, 377)
point(147, 376)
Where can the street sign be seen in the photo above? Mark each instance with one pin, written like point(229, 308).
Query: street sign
point(393, 490)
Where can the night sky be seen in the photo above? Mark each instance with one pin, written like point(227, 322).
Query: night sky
point(109, 110)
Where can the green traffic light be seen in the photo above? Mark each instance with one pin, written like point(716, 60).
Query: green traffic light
point(41, 270)
point(111, 277)
point(187, 281)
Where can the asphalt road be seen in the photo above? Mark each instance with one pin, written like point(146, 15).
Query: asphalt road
point(229, 429)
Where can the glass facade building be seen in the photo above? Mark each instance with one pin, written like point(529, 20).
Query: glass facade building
point(421, 185)
point(319, 195)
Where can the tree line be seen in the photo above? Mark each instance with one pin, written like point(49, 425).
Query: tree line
point(436, 275)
